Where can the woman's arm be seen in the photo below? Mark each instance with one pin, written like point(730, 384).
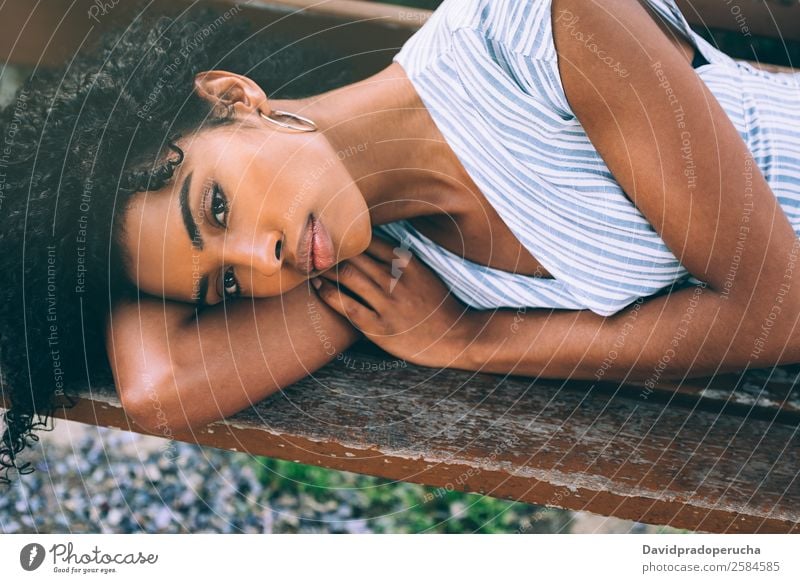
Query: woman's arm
point(689, 332)
point(679, 158)
point(176, 372)
point(674, 151)
point(694, 331)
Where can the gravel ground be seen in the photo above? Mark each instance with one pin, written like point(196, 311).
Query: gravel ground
point(99, 480)
point(110, 481)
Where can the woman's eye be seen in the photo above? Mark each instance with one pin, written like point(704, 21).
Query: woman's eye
point(219, 206)
point(230, 285)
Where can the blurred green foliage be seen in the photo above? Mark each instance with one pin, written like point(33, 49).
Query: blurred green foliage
point(384, 506)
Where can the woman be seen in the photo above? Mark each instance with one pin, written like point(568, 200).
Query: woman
point(559, 155)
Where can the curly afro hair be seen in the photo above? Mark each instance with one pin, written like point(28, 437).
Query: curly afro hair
point(78, 142)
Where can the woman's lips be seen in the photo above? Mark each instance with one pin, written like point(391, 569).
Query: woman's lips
point(321, 246)
point(315, 251)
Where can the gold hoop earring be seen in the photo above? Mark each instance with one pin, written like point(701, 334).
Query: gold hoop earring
point(309, 126)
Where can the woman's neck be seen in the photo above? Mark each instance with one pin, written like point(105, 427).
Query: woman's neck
point(386, 139)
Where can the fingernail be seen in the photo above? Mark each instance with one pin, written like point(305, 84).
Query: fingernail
point(316, 282)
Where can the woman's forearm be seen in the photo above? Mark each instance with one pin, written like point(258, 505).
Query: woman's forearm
point(693, 331)
point(176, 372)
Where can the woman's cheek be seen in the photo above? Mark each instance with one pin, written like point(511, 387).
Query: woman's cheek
point(279, 284)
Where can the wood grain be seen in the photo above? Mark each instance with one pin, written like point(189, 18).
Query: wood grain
point(555, 443)
point(48, 33)
point(771, 18)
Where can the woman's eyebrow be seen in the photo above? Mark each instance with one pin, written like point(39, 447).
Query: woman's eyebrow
point(186, 213)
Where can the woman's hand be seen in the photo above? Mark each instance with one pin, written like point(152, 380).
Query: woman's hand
point(403, 307)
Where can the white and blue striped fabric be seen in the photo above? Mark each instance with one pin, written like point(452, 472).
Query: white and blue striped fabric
point(487, 72)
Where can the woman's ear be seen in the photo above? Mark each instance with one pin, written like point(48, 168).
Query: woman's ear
point(231, 90)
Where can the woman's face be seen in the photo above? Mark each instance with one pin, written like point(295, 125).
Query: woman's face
point(251, 211)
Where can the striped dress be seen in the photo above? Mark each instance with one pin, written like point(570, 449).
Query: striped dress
point(486, 70)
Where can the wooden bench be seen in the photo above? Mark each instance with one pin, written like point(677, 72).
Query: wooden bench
point(768, 18)
point(718, 454)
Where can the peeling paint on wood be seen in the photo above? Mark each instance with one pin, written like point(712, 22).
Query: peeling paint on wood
point(546, 442)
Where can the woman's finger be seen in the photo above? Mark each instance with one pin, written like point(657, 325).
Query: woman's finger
point(377, 271)
point(382, 249)
point(350, 276)
point(357, 313)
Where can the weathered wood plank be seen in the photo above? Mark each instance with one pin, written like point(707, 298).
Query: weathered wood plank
point(764, 391)
point(772, 18)
point(45, 34)
point(389, 14)
point(546, 442)
point(50, 33)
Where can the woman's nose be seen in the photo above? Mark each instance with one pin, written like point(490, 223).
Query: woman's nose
point(262, 253)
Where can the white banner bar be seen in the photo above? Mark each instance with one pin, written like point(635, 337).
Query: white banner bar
point(354, 558)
